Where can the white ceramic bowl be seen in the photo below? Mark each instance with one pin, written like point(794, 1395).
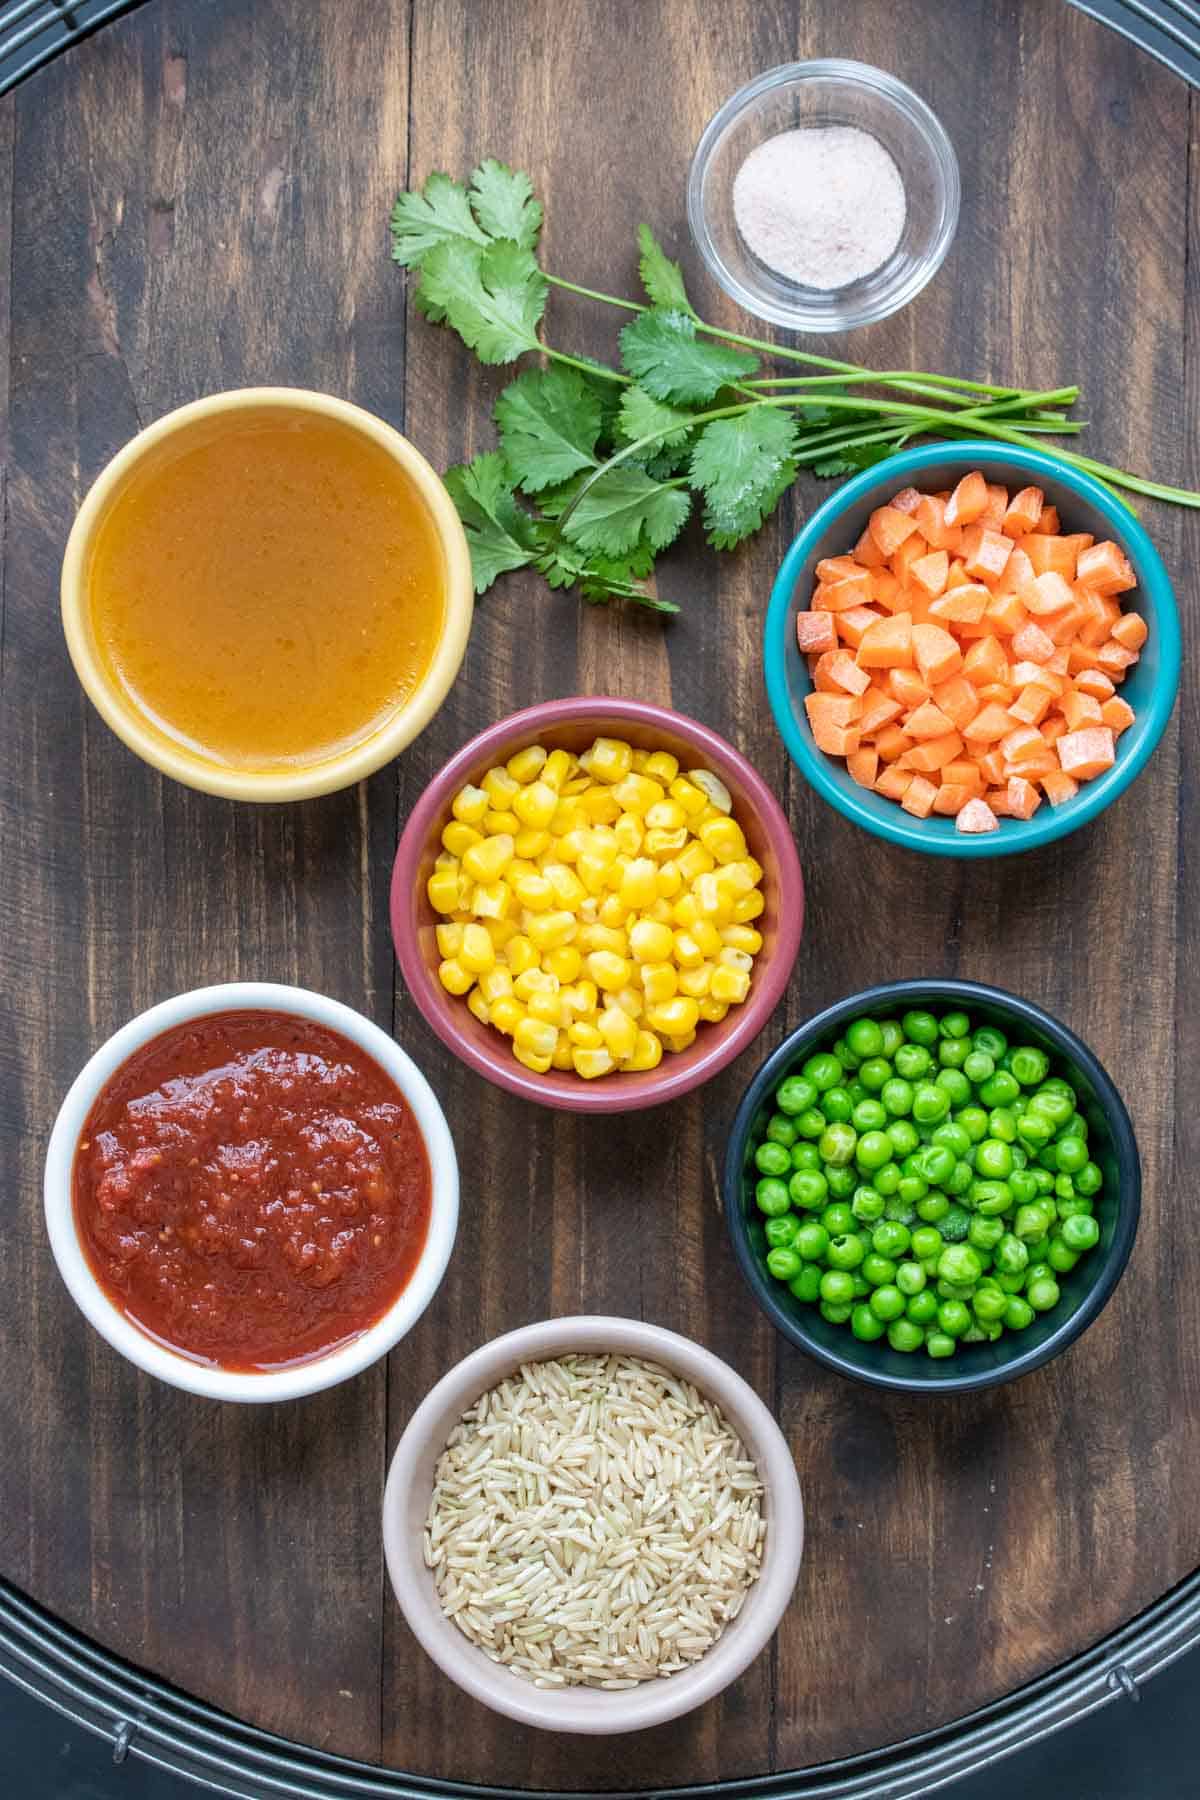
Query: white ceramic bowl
point(181, 1371)
point(592, 1711)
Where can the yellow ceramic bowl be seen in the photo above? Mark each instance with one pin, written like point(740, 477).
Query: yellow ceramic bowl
point(346, 766)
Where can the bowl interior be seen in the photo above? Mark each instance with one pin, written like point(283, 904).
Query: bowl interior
point(415, 922)
point(1084, 1290)
point(820, 94)
point(1083, 505)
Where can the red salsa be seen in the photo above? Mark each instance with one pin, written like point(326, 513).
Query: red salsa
point(252, 1189)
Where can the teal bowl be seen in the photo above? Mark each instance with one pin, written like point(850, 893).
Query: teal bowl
point(1083, 505)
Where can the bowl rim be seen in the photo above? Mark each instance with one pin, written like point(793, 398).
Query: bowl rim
point(1055, 822)
point(593, 1711)
point(347, 766)
point(171, 1366)
point(903, 99)
point(499, 1066)
point(891, 995)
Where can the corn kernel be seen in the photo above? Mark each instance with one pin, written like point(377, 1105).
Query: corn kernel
point(659, 981)
point(563, 1052)
point(491, 900)
point(748, 907)
point(688, 953)
point(735, 959)
point(608, 970)
point(487, 862)
point(591, 1063)
point(536, 805)
point(479, 1006)
point(663, 843)
point(630, 1001)
point(630, 833)
point(637, 793)
point(712, 1011)
point(738, 878)
point(449, 939)
point(724, 838)
point(500, 930)
point(539, 1064)
point(742, 937)
point(609, 759)
point(585, 997)
point(526, 764)
point(730, 985)
point(685, 912)
point(647, 1052)
point(533, 981)
point(602, 844)
point(442, 889)
point(639, 760)
point(668, 881)
point(687, 793)
point(696, 982)
point(551, 930)
point(604, 937)
point(714, 905)
point(639, 884)
point(693, 861)
point(507, 1013)
point(755, 868)
point(469, 804)
point(572, 844)
point(674, 1017)
point(662, 766)
point(564, 960)
point(618, 1031)
point(650, 942)
point(661, 912)
point(568, 890)
point(713, 789)
point(458, 837)
point(546, 1007)
point(613, 912)
point(444, 860)
point(584, 1035)
point(589, 910)
point(705, 933)
point(495, 982)
point(519, 866)
point(665, 815)
point(533, 891)
point(478, 953)
point(557, 768)
point(453, 977)
point(520, 954)
point(496, 824)
point(676, 1044)
point(577, 783)
point(531, 844)
point(600, 806)
point(592, 872)
point(499, 787)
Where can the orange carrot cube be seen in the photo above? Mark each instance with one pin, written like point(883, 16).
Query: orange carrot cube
point(852, 626)
point(815, 632)
point(969, 500)
point(997, 799)
point(1005, 614)
point(929, 573)
point(1080, 710)
point(1030, 643)
point(1087, 753)
point(1114, 659)
point(1050, 554)
point(894, 783)
point(985, 552)
point(938, 655)
point(1106, 568)
point(963, 603)
point(887, 643)
point(1053, 728)
point(985, 661)
point(1023, 512)
point(1131, 631)
point(837, 672)
point(1117, 714)
point(991, 768)
point(989, 725)
point(906, 501)
point(977, 816)
point(952, 796)
point(958, 699)
point(1023, 744)
point(933, 754)
point(892, 742)
point(879, 709)
point(1096, 683)
point(889, 528)
point(1023, 797)
point(863, 766)
point(867, 552)
point(1059, 788)
point(927, 721)
point(906, 686)
point(918, 797)
point(1048, 593)
point(931, 523)
point(1080, 657)
point(963, 774)
point(1031, 704)
point(1048, 523)
point(832, 709)
point(848, 591)
point(992, 516)
point(887, 591)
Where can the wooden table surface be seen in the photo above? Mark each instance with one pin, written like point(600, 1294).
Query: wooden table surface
point(197, 199)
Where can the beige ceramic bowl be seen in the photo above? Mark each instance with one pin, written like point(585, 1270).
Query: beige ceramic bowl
point(593, 1711)
point(350, 765)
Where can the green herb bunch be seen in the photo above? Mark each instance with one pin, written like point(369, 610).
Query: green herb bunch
point(599, 468)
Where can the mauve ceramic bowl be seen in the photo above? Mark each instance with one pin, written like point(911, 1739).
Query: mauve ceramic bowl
point(591, 1711)
point(572, 725)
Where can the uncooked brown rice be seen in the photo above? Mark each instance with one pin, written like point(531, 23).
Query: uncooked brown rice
point(595, 1522)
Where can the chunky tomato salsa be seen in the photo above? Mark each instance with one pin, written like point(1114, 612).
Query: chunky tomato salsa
point(252, 1189)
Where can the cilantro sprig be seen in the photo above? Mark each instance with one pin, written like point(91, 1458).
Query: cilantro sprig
point(600, 467)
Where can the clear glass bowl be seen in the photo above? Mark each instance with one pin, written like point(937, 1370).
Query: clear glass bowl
point(829, 92)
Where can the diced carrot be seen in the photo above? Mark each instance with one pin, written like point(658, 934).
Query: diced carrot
point(1047, 554)
point(1024, 511)
point(961, 603)
point(852, 626)
point(1023, 797)
point(999, 691)
point(918, 797)
point(906, 686)
point(977, 816)
point(1048, 593)
point(938, 656)
point(888, 643)
point(863, 766)
point(1056, 662)
point(952, 796)
point(993, 513)
point(1059, 788)
point(989, 725)
point(892, 742)
point(1106, 568)
point(906, 501)
point(991, 768)
point(1023, 744)
point(837, 672)
point(1025, 673)
point(1080, 710)
point(1005, 613)
point(1084, 754)
point(879, 709)
point(929, 572)
point(815, 632)
point(931, 523)
point(986, 661)
point(1053, 728)
point(894, 783)
point(832, 709)
point(889, 528)
point(918, 604)
point(997, 799)
point(911, 551)
point(1017, 571)
point(958, 699)
point(1032, 704)
point(1114, 659)
point(1061, 627)
point(1031, 644)
point(1034, 769)
point(887, 591)
point(850, 590)
point(837, 740)
point(963, 774)
point(1096, 619)
point(956, 574)
point(836, 568)
point(1131, 630)
point(867, 552)
point(927, 721)
point(1048, 523)
point(968, 501)
point(1096, 683)
point(1117, 714)
point(1080, 657)
point(934, 754)
point(985, 552)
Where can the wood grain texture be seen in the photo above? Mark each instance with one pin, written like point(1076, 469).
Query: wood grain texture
point(200, 201)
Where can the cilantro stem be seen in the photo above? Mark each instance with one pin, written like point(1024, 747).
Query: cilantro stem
point(582, 363)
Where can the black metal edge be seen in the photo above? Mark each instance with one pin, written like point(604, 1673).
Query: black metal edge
point(1168, 30)
point(144, 1718)
point(56, 29)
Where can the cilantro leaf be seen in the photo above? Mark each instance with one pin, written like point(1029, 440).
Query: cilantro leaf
point(600, 579)
point(503, 203)
point(743, 466)
point(494, 298)
point(852, 458)
point(621, 506)
point(662, 352)
point(549, 422)
point(641, 416)
point(661, 278)
point(501, 535)
point(440, 213)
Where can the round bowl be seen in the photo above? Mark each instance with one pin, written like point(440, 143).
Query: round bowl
point(1084, 505)
point(1086, 1290)
point(591, 1711)
point(358, 759)
point(827, 92)
point(157, 1358)
point(571, 725)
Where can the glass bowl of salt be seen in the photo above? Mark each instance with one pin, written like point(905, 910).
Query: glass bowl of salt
point(824, 195)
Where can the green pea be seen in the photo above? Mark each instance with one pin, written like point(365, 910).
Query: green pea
point(937, 1164)
point(962, 1180)
point(978, 1066)
point(893, 1037)
point(904, 1335)
point(1089, 1179)
point(960, 1264)
point(865, 1039)
point(887, 1179)
point(873, 1150)
point(912, 1061)
point(823, 1070)
point(1023, 1186)
point(933, 1206)
point(837, 1104)
point(869, 1115)
point(993, 1043)
point(954, 1025)
point(837, 1219)
point(903, 1137)
point(808, 1189)
point(878, 1270)
point(930, 1104)
point(922, 1306)
point(837, 1286)
point(910, 1278)
point(1002, 1125)
point(912, 1189)
point(862, 1286)
point(1012, 1255)
point(1056, 1085)
point(811, 1241)
point(874, 1072)
point(772, 1198)
point(856, 1091)
point(845, 1252)
point(992, 1198)
point(926, 1241)
point(810, 1124)
point(1043, 1293)
point(1064, 1188)
point(845, 1054)
point(1034, 1128)
point(993, 1160)
point(1053, 1105)
point(1032, 1223)
point(1080, 1233)
point(837, 1144)
point(795, 1095)
point(865, 1326)
point(1061, 1257)
point(897, 1097)
point(781, 1232)
point(989, 1304)
point(954, 1317)
point(951, 1134)
point(837, 1315)
point(890, 1238)
point(1044, 1180)
point(920, 1027)
point(867, 1205)
point(953, 1053)
point(1029, 1065)
point(784, 1264)
point(985, 1233)
point(772, 1159)
point(1073, 1205)
point(807, 1285)
point(1018, 1313)
point(999, 1089)
point(805, 1156)
point(954, 1084)
point(938, 1344)
point(887, 1302)
point(1076, 1126)
point(1072, 1155)
point(1012, 1284)
point(842, 1182)
point(780, 1130)
point(974, 1121)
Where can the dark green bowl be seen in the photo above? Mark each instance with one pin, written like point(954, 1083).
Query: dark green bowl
point(1085, 1290)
